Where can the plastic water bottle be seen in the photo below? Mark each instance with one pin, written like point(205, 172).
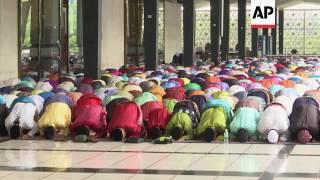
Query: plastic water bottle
point(226, 136)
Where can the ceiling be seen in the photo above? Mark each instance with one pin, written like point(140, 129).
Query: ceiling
point(280, 3)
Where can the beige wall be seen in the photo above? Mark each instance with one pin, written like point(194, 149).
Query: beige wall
point(8, 39)
point(112, 52)
point(172, 29)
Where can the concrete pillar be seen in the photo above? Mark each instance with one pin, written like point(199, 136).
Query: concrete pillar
point(274, 36)
point(150, 35)
point(34, 22)
point(50, 36)
point(215, 23)
point(92, 38)
point(242, 28)
point(265, 33)
point(254, 42)
point(50, 23)
point(9, 39)
point(226, 31)
point(79, 26)
point(35, 29)
point(281, 31)
point(112, 28)
point(172, 29)
point(188, 31)
point(25, 8)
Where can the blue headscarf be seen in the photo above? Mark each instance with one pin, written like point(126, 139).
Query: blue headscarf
point(170, 84)
point(2, 100)
point(22, 99)
point(46, 95)
point(221, 103)
point(59, 98)
point(275, 88)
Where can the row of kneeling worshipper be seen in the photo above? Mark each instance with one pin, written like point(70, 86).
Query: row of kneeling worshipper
point(265, 100)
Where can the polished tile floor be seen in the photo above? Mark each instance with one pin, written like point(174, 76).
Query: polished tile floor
point(38, 159)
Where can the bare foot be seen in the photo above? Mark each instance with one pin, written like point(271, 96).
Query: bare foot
point(181, 139)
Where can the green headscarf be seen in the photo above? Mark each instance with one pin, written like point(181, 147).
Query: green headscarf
point(145, 97)
point(192, 86)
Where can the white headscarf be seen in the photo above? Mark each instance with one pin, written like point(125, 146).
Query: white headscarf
point(44, 86)
point(273, 137)
point(38, 100)
point(313, 84)
point(274, 117)
point(285, 102)
point(235, 89)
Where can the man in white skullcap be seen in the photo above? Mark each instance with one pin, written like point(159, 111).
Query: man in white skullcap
point(274, 122)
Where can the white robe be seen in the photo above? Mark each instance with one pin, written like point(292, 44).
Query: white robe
point(285, 102)
point(26, 113)
point(9, 99)
point(39, 101)
point(274, 117)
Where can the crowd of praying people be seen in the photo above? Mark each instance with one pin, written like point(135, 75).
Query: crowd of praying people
point(255, 100)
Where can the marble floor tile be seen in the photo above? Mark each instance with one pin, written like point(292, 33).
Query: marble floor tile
point(250, 163)
point(231, 148)
point(140, 161)
point(213, 162)
point(104, 160)
point(176, 162)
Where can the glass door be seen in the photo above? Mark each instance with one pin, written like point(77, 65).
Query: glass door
point(134, 32)
point(75, 47)
point(42, 29)
point(50, 37)
point(29, 37)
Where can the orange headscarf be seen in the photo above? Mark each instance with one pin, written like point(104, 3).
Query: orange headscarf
point(75, 96)
point(302, 74)
point(267, 83)
point(158, 91)
point(196, 92)
point(288, 83)
point(212, 79)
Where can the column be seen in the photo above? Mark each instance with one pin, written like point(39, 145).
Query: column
point(34, 37)
point(25, 10)
point(50, 23)
point(134, 33)
point(9, 39)
point(172, 29)
point(50, 37)
point(113, 34)
point(91, 37)
point(242, 28)
point(226, 30)
point(188, 31)
point(254, 42)
point(265, 33)
point(79, 26)
point(274, 36)
point(150, 34)
point(215, 17)
point(281, 30)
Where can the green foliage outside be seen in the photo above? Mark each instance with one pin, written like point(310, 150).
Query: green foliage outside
point(73, 46)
